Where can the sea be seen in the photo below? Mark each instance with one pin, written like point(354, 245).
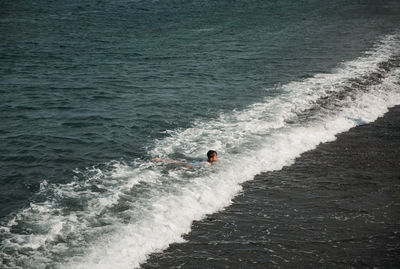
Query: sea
point(91, 91)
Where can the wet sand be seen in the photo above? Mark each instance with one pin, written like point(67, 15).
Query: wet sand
point(338, 206)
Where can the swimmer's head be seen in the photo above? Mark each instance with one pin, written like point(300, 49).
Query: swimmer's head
point(212, 156)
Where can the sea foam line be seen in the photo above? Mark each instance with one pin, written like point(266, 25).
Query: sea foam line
point(259, 138)
point(265, 142)
point(171, 216)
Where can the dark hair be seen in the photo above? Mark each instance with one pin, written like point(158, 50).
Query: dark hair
point(211, 154)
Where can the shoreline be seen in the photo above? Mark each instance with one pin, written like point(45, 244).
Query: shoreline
point(339, 204)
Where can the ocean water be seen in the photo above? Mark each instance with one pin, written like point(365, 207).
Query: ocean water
point(91, 91)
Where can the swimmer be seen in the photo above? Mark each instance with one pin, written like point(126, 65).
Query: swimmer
point(212, 157)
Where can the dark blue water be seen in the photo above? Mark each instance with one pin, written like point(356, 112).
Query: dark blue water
point(86, 85)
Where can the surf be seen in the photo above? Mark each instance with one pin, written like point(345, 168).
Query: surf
point(116, 218)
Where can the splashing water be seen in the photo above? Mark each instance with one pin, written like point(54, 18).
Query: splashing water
point(116, 218)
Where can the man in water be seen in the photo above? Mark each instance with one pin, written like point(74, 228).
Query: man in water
point(212, 157)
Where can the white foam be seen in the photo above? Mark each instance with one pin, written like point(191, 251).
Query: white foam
point(268, 143)
point(145, 207)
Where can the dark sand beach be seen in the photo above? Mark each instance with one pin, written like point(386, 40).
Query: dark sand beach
point(338, 206)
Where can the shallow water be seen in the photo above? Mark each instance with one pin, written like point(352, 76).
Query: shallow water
point(336, 206)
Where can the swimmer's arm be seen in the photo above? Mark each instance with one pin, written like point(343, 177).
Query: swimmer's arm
point(160, 160)
point(166, 161)
point(172, 162)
